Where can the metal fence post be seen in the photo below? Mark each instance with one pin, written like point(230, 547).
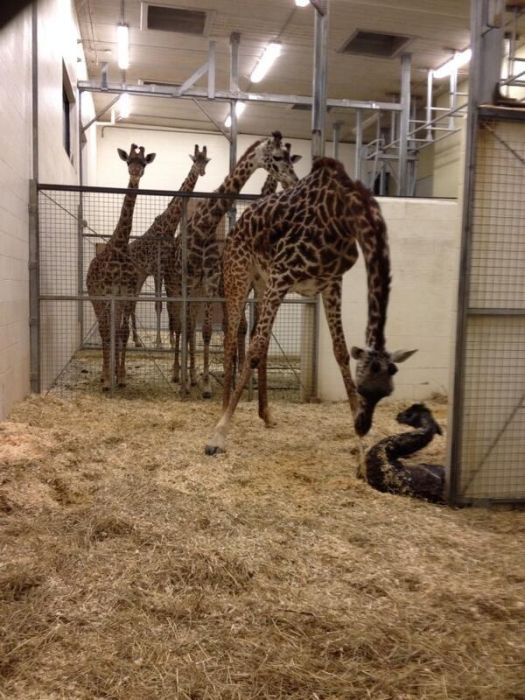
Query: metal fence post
point(184, 303)
point(34, 289)
point(112, 343)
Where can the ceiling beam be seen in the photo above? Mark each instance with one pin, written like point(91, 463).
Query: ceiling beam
point(226, 96)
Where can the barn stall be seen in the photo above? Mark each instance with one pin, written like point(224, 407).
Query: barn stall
point(151, 570)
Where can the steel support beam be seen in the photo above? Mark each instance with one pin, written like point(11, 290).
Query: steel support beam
point(336, 137)
point(235, 39)
point(227, 95)
point(319, 78)
point(404, 119)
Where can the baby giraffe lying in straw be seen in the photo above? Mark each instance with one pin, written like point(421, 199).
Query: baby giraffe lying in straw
point(386, 472)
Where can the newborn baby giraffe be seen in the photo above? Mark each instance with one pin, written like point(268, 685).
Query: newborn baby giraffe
point(386, 472)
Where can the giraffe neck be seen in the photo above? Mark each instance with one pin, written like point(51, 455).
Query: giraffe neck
point(210, 211)
point(405, 444)
point(122, 232)
point(168, 221)
point(372, 236)
point(270, 185)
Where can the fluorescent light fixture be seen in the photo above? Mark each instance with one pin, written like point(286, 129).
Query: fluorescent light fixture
point(112, 116)
point(302, 3)
point(123, 46)
point(272, 51)
point(123, 105)
point(457, 61)
point(239, 109)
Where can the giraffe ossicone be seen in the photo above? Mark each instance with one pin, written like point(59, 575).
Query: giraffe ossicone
point(304, 239)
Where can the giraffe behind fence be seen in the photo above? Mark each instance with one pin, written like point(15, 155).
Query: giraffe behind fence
point(112, 273)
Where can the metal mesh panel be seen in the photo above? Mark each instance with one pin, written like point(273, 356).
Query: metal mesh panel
point(75, 224)
point(492, 373)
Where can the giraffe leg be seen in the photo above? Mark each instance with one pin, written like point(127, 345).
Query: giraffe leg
point(257, 349)
point(332, 306)
point(175, 335)
point(122, 331)
point(158, 308)
point(102, 313)
point(136, 339)
point(206, 339)
point(241, 339)
point(192, 337)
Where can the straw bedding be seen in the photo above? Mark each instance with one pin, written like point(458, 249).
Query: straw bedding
point(134, 567)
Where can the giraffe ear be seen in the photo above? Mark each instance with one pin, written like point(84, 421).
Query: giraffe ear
point(296, 158)
point(150, 157)
point(122, 153)
point(401, 355)
point(357, 353)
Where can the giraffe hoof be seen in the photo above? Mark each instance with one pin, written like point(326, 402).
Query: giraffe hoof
point(212, 450)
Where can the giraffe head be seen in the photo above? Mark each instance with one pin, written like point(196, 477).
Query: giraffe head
point(419, 416)
point(200, 159)
point(374, 372)
point(136, 160)
point(275, 157)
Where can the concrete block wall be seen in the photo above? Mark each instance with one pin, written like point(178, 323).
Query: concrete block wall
point(15, 171)
point(424, 240)
point(57, 43)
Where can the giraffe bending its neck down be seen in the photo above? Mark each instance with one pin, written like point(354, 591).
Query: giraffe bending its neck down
point(204, 249)
point(303, 239)
point(112, 272)
point(153, 252)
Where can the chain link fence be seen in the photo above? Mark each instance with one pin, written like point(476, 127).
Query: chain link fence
point(74, 223)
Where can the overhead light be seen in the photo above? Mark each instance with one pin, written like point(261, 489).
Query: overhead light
point(272, 51)
point(123, 106)
point(457, 61)
point(239, 109)
point(302, 3)
point(112, 116)
point(123, 46)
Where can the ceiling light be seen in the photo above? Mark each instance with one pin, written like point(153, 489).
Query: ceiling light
point(272, 51)
point(123, 46)
point(123, 106)
point(302, 3)
point(239, 109)
point(457, 61)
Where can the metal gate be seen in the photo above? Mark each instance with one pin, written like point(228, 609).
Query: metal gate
point(487, 461)
point(72, 222)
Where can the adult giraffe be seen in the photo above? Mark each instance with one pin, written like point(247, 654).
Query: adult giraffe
point(204, 273)
point(112, 272)
point(153, 252)
point(303, 240)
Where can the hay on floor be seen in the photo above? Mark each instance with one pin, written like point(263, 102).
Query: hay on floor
point(134, 567)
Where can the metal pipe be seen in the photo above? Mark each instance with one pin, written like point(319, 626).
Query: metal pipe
point(235, 38)
point(404, 120)
point(358, 143)
point(33, 236)
point(184, 298)
point(336, 135)
point(430, 77)
point(319, 79)
point(453, 86)
point(112, 343)
point(211, 70)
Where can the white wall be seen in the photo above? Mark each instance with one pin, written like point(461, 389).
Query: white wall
point(57, 41)
point(424, 240)
point(15, 171)
point(173, 163)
